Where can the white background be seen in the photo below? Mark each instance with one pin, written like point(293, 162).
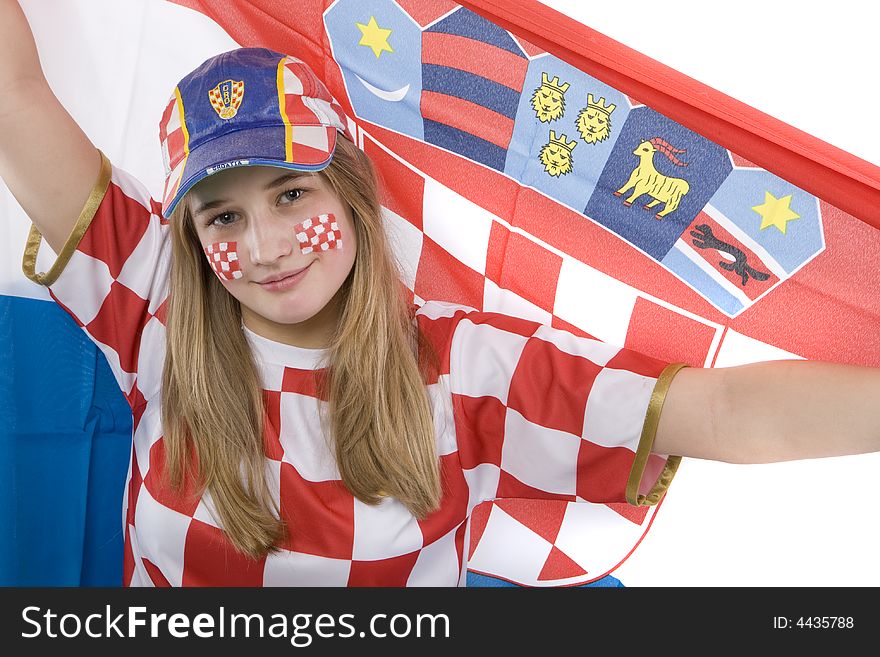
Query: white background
point(812, 523)
point(811, 64)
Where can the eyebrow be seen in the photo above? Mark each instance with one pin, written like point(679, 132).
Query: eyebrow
point(287, 177)
point(281, 180)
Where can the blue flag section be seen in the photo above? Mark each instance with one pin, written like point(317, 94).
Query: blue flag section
point(657, 178)
point(753, 234)
point(471, 69)
point(377, 46)
point(567, 124)
point(65, 436)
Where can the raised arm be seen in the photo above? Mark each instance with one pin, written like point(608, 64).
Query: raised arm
point(46, 160)
point(772, 411)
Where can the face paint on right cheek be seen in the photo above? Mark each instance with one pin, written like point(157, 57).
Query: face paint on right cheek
point(223, 258)
point(318, 234)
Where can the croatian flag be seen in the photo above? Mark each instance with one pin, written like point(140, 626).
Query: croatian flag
point(530, 166)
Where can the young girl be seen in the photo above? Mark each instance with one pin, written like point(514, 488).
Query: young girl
point(296, 421)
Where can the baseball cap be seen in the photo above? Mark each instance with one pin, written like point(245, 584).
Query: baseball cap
point(246, 107)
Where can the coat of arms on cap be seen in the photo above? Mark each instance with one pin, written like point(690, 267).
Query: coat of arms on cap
point(226, 97)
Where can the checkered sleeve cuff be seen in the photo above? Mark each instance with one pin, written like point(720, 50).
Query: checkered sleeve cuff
point(646, 486)
point(32, 247)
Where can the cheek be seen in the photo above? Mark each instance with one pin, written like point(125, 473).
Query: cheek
point(318, 234)
point(223, 258)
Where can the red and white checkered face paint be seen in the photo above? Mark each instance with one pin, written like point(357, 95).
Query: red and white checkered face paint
point(223, 257)
point(318, 234)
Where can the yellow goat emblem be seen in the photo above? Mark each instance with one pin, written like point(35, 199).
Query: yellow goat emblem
point(645, 179)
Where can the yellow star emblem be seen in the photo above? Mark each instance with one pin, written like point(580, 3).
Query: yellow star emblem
point(374, 37)
point(776, 212)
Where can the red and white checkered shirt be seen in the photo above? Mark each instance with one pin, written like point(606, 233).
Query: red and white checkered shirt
point(521, 410)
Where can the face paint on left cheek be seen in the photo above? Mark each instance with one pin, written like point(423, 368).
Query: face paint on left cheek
point(223, 258)
point(318, 234)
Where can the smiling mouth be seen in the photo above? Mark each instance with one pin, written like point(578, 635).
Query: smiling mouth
point(287, 282)
point(285, 277)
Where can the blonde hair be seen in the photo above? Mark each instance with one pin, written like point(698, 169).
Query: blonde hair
point(378, 417)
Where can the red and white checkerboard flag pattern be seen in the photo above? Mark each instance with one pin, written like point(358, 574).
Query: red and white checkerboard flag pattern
point(174, 142)
point(223, 257)
point(318, 234)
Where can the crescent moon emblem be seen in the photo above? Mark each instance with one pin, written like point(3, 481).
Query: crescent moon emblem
point(394, 96)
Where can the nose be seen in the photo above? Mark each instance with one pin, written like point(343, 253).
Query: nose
point(269, 239)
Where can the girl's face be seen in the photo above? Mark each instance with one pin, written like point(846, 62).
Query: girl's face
point(282, 243)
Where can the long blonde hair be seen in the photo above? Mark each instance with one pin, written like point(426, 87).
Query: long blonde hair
point(377, 415)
